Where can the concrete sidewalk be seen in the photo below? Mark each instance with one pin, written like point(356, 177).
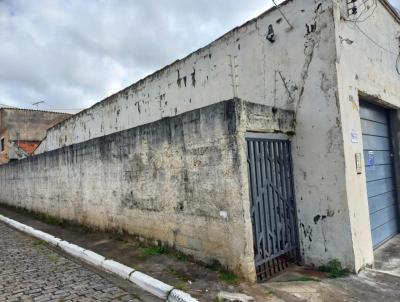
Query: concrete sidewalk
point(387, 257)
point(367, 286)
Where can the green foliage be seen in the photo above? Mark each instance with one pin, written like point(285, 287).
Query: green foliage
point(334, 269)
point(153, 251)
point(45, 218)
point(227, 276)
point(180, 275)
point(53, 220)
point(179, 285)
point(181, 257)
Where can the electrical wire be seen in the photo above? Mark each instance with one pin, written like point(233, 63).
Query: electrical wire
point(376, 43)
point(371, 8)
point(360, 20)
point(397, 66)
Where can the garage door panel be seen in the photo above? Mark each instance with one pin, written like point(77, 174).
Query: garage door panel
point(384, 232)
point(373, 113)
point(375, 128)
point(382, 216)
point(383, 206)
point(381, 186)
point(376, 143)
point(380, 157)
point(377, 172)
point(381, 201)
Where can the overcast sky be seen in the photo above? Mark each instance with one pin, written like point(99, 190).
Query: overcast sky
point(72, 53)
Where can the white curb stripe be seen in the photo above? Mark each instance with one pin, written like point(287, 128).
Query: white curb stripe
point(382, 272)
point(177, 295)
point(149, 284)
point(71, 249)
point(117, 268)
point(92, 258)
point(154, 286)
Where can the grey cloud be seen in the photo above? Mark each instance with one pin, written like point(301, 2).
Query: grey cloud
point(74, 53)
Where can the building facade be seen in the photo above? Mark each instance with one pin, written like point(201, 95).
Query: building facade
point(277, 142)
point(21, 131)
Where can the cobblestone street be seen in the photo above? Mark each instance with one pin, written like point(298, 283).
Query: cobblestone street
point(31, 271)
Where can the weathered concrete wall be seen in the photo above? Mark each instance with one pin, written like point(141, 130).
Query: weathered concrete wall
point(366, 63)
point(297, 72)
point(169, 180)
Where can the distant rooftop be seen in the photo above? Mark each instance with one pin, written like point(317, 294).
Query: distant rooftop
point(28, 109)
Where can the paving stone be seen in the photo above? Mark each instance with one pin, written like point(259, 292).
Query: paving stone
point(31, 271)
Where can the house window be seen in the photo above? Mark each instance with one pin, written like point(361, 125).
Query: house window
point(2, 144)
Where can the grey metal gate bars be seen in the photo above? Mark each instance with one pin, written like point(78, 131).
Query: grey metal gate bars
point(273, 208)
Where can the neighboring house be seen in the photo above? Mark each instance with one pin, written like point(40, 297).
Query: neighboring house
point(21, 131)
point(277, 142)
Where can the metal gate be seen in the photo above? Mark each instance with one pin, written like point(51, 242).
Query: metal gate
point(273, 208)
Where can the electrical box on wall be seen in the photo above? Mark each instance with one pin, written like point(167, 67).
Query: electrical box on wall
point(358, 163)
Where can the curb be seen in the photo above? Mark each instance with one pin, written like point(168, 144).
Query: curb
point(147, 283)
point(382, 272)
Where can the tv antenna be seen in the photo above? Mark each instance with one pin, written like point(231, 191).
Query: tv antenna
point(37, 104)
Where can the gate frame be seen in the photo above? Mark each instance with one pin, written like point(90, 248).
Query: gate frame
point(277, 136)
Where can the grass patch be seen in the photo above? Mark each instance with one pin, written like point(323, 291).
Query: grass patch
point(223, 274)
point(334, 269)
point(154, 251)
point(180, 275)
point(53, 220)
point(179, 285)
point(227, 276)
point(304, 279)
point(182, 257)
point(122, 239)
point(37, 215)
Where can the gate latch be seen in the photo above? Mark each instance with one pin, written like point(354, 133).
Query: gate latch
point(358, 163)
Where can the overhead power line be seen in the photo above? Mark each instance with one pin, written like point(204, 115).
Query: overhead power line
point(374, 42)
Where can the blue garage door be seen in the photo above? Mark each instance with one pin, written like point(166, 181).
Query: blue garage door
point(378, 159)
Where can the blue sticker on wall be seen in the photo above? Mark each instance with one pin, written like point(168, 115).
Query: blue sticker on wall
point(371, 159)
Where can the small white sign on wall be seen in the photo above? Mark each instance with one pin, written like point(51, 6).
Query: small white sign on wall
point(354, 136)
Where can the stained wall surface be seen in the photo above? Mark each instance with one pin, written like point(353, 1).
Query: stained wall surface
point(179, 180)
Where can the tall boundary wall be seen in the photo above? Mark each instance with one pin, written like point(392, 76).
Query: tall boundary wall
point(181, 180)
